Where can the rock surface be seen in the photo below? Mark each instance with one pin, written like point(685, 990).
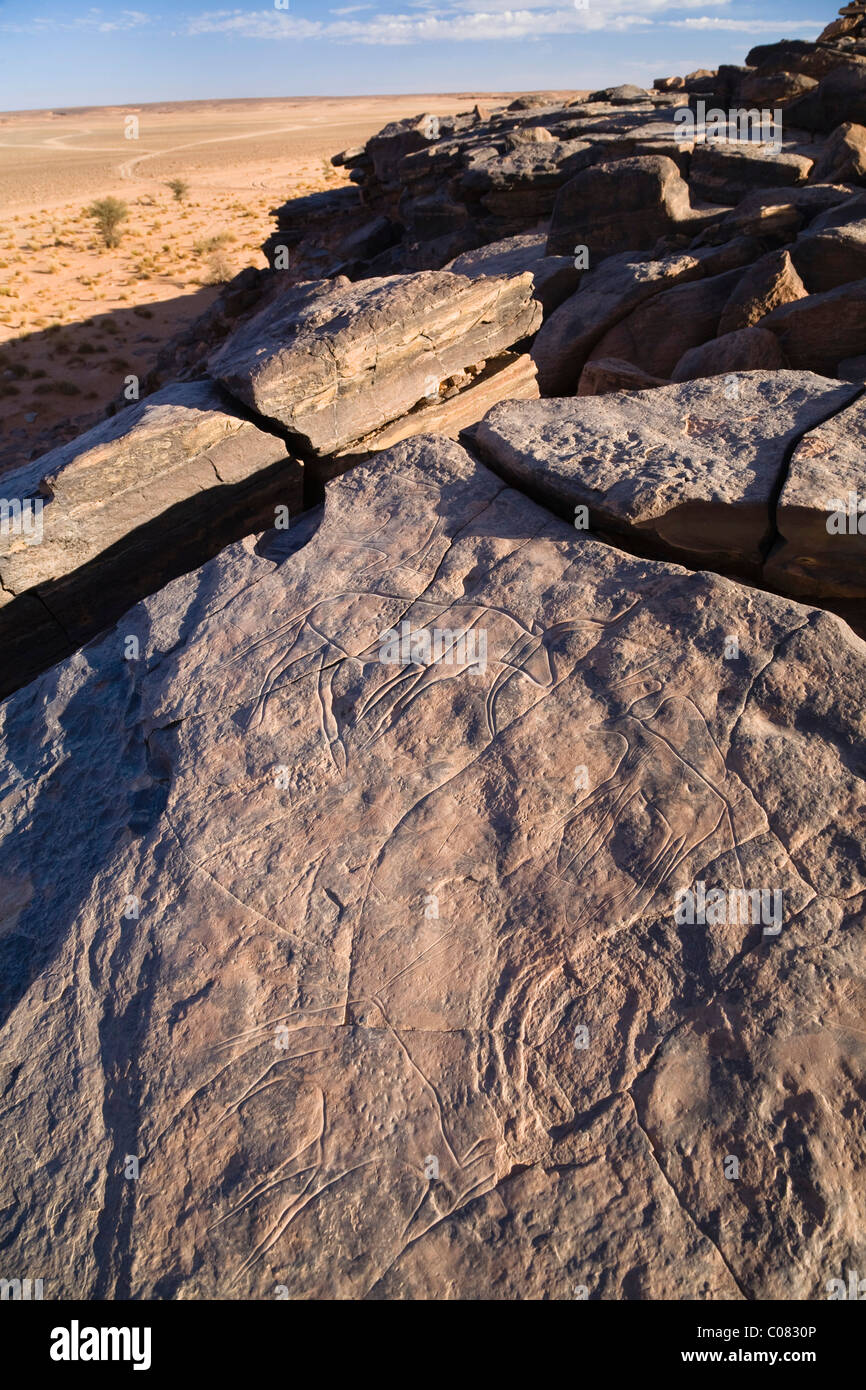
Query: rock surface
point(688, 470)
point(332, 362)
point(821, 513)
point(154, 491)
point(394, 1018)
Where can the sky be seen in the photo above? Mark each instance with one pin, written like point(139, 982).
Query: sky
point(56, 53)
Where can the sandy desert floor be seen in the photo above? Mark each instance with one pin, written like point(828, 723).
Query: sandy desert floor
point(77, 318)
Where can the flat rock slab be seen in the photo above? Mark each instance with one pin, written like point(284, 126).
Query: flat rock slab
point(333, 361)
point(689, 470)
point(821, 514)
point(156, 490)
point(374, 963)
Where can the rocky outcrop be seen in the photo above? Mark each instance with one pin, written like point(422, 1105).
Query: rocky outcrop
point(459, 891)
point(379, 1015)
point(332, 362)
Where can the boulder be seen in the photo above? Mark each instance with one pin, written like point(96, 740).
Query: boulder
point(744, 350)
point(152, 492)
point(817, 332)
point(831, 257)
point(687, 471)
point(617, 206)
point(655, 335)
point(843, 157)
point(605, 374)
point(622, 95)
point(377, 901)
point(770, 89)
point(333, 362)
point(839, 97)
point(725, 172)
point(771, 281)
point(606, 295)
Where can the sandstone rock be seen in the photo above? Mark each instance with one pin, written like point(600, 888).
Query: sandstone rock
point(554, 277)
point(669, 84)
point(843, 157)
point(332, 362)
point(687, 471)
point(606, 295)
point(819, 331)
point(510, 377)
point(771, 281)
point(378, 904)
point(744, 350)
point(839, 97)
point(618, 206)
point(529, 135)
point(655, 335)
point(623, 94)
point(139, 499)
point(605, 374)
point(826, 259)
point(724, 172)
point(821, 513)
point(768, 90)
point(770, 212)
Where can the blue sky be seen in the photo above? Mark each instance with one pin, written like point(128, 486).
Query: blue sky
point(63, 53)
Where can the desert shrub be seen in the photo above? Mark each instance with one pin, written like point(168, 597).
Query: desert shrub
point(108, 213)
point(179, 188)
point(219, 270)
point(214, 243)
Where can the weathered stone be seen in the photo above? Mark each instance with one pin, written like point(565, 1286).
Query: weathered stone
point(771, 89)
point(616, 206)
point(656, 334)
point(826, 259)
point(605, 374)
point(688, 471)
point(819, 331)
point(724, 172)
point(821, 513)
point(839, 97)
point(511, 377)
point(378, 904)
point(333, 362)
point(606, 295)
point(743, 350)
point(623, 94)
point(154, 491)
point(843, 156)
point(554, 277)
point(782, 213)
point(771, 281)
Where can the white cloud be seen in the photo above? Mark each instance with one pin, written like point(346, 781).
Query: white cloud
point(472, 21)
point(91, 19)
point(746, 26)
